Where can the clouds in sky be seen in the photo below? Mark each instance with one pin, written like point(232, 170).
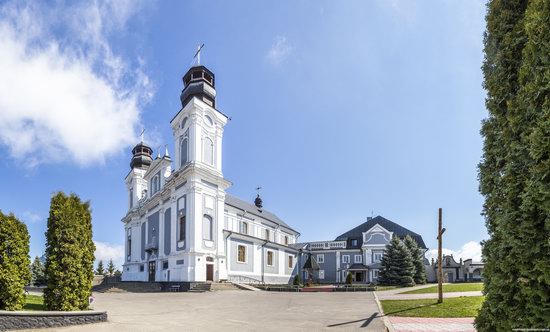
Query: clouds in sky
point(279, 51)
point(106, 251)
point(30, 217)
point(471, 250)
point(64, 94)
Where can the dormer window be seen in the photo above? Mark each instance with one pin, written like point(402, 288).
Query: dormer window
point(353, 243)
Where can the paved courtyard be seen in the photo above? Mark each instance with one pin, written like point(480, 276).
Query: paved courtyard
point(236, 310)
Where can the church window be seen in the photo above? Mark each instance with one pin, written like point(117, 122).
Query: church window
point(141, 268)
point(184, 151)
point(208, 120)
point(165, 265)
point(321, 258)
point(131, 198)
point(345, 259)
point(358, 259)
point(207, 227)
point(267, 234)
point(270, 258)
point(378, 256)
point(208, 151)
point(290, 262)
point(244, 227)
point(155, 185)
point(182, 228)
point(286, 240)
point(129, 245)
point(183, 123)
point(241, 254)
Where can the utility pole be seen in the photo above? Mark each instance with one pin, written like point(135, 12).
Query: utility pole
point(440, 232)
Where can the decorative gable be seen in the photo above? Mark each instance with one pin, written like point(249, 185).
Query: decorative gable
point(377, 235)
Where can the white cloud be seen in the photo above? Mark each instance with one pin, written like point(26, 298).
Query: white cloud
point(30, 217)
point(105, 251)
point(469, 250)
point(65, 96)
point(279, 51)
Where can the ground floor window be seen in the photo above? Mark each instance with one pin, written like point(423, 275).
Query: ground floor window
point(345, 259)
point(290, 263)
point(241, 254)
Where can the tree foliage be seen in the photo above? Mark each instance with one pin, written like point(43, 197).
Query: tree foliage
point(349, 279)
point(38, 272)
point(111, 269)
point(418, 260)
point(514, 173)
point(397, 265)
point(69, 254)
point(100, 270)
point(297, 280)
point(14, 262)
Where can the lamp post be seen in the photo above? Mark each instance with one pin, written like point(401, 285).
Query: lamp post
point(440, 232)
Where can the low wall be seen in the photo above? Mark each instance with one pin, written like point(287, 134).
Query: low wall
point(18, 320)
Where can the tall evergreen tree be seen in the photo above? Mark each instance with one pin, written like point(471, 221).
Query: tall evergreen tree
point(418, 260)
point(397, 265)
point(100, 268)
point(14, 262)
point(515, 168)
point(69, 254)
point(37, 271)
point(111, 268)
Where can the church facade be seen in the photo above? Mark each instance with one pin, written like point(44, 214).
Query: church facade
point(181, 224)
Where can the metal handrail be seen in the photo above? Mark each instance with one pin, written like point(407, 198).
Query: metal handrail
point(244, 280)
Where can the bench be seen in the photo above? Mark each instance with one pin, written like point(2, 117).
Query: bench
point(175, 288)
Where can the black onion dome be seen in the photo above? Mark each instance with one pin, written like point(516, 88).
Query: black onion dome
point(199, 82)
point(141, 156)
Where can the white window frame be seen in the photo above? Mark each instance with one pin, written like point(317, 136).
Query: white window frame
point(290, 261)
point(321, 274)
point(378, 254)
point(321, 258)
point(244, 227)
point(245, 254)
point(356, 260)
point(354, 242)
point(345, 259)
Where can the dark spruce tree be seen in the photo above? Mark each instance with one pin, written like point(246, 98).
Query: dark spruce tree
point(69, 254)
point(37, 272)
point(397, 265)
point(111, 269)
point(14, 262)
point(100, 270)
point(515, 170)
point(418, 260)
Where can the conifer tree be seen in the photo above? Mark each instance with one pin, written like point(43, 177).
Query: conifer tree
point(14, 262)
point(37, 271)
point(418, 260)
point(111, 269)
point(100, 268)
point(69, 254)
point(397, 265)
point(515, 168)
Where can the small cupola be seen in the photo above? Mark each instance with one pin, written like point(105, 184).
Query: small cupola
point(141, 156)
point(199, 82)
point(258, 202)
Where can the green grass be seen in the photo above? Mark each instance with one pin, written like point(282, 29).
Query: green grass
point(466, 287)
point(34, 303)
point(465, 306)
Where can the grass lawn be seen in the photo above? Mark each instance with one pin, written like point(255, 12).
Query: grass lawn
point(34, 303)
point(466, 287)
point(465, 306)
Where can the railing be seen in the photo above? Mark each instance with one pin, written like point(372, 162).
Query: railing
point(327, 245)
point(244, 280)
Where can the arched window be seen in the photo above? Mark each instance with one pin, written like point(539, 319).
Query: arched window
point(208, 120)
point(244, 227)
point(155, 184)
point(207, 227)
point(183, 123)
point(131, 198)
point(208, 151)
point(184, 154)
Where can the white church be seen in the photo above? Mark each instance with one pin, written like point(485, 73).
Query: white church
point(181, 224)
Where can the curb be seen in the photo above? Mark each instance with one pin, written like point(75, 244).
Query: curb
point(387, 323)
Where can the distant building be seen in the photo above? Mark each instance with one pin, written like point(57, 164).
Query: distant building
point(454, 271)
point(358, 251)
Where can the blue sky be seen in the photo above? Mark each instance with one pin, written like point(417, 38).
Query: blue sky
point(339, 110)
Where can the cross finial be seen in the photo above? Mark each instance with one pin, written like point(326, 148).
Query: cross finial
point(198, 54)
point(258, 189)
point(142, 134)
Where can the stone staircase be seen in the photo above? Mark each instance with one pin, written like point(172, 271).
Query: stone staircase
point(222, 286)
point(201, 287)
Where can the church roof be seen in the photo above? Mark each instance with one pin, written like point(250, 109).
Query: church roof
point(398, 230)
point(253, 209)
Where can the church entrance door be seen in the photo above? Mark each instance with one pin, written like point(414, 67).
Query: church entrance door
point(209, 272)
point(152, 271)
